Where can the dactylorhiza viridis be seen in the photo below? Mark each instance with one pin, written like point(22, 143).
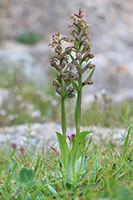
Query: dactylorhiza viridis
point(71, 64)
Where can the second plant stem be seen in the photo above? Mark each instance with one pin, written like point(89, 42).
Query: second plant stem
point(78, 106)
point(63, 113)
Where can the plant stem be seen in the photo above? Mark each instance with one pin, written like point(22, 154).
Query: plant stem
point(75, 175)
point(79, 96)
point(63, 114)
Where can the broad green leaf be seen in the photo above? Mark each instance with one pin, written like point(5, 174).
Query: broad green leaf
point(69, 170)
point(79, 143)
point(64, 150)
point(84, 164)
point(26, 175)
point(81, 164)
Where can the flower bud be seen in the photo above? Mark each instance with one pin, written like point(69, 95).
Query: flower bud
point(55, 82)
point(56, 36)
point(57, 86)
point(72, 16)
point(89, 66)
point(13, 145)
point(76, 76)
point(82, 13)
point(66, 39)
point(70, 90)
point(22, 150)
point(67, 79)
point(86, 43)
point(72, 66)
point(72, 95)
point(58, 89)
point(63, 64)
point(73, 32)
point(53, 64)
point(63, 75)
point(73, 136)
point(90, 55)
point(88, 36)
point(78, 55)
point(87, 82)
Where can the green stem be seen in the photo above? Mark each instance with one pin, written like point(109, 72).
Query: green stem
point(79, 96)
point(75, 175)
point(63, 113)
point(79, 92)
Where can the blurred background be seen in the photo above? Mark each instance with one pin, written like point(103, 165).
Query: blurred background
point(26, 28)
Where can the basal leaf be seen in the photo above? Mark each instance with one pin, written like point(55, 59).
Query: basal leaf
point(64, 150)
point(81, 164)
point(79, 143)
point(69, 170)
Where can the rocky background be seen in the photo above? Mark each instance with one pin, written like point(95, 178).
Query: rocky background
point(112, 32)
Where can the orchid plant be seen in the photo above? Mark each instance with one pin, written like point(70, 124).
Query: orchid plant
point(70, 65)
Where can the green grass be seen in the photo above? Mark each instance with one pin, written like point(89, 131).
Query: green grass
point(108, 113)
point(109, 174)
